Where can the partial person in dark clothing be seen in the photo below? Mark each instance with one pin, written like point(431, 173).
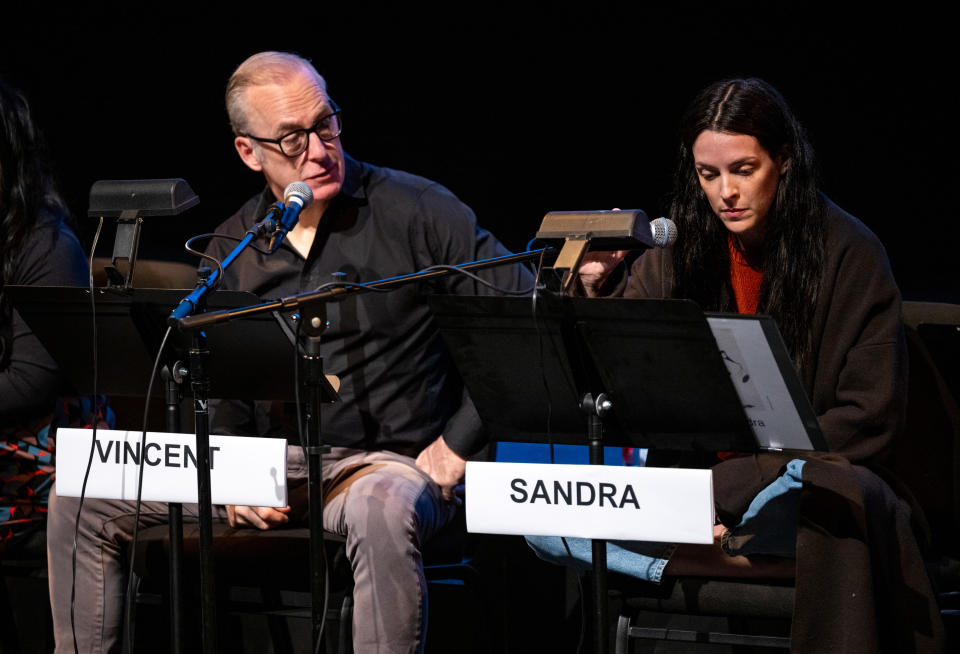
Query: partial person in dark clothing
point(404, 427)
point(756, 236)
point(36, 247)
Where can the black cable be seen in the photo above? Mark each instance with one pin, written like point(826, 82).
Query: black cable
point(326, 599)
point(93, 441)
point(543, 375)
point(204, 255)
point(136, 520)
point(303, 445)
point(296, 391)
point(190, 240)
point(568, 378)
point(583, 613)
point(275, 208)
point(481, 280)
point(476, 278)
point(331, 285)
point(546, 387)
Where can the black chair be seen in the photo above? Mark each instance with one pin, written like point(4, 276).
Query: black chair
point(257, 573)
point(927, 460)
point(740, 614)
point(24, 598)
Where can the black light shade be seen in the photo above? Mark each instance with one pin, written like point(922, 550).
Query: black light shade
point(148, 197)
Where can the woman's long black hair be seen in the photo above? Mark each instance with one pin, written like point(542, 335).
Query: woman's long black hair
point(793, 249)
point(26, 187)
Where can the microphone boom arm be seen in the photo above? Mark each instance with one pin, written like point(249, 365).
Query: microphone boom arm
point(292, 302)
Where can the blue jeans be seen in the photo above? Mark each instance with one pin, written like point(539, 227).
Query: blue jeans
point(769, 526)
point(637, 559)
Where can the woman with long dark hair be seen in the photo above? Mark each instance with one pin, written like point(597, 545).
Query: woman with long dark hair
point(783, 237)
point(36, 247)
point(756, 236)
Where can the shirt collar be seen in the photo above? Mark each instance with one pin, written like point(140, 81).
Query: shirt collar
point(353, 179)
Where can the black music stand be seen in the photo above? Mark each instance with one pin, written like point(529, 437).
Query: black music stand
point(656, 360)
point(130, 326)
point(644, 373)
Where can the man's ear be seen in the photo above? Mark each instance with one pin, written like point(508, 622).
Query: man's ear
point(249, 152)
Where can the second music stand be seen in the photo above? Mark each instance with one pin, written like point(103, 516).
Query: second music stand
point(643, 373)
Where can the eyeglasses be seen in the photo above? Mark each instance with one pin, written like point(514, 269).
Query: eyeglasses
point(296, 142)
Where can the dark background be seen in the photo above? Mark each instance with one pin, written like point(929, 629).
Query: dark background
point(518, 111)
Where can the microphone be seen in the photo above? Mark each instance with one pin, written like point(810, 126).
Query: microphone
point(296, 197)
point(664, 232)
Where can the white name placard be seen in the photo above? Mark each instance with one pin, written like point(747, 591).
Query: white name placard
point(246, 471)
point(610, 502)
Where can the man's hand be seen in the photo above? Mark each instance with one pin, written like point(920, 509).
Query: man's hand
point(596, 267)
point(261, 517)
point(443, 465)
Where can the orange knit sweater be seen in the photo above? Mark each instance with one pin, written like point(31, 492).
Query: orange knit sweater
point(745, 279)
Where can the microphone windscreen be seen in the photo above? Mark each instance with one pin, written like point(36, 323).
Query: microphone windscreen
point(299, 190)
point(664, 232)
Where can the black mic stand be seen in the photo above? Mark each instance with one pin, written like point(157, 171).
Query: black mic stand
point(595, 409)
point(313, 324)
point(200, 386)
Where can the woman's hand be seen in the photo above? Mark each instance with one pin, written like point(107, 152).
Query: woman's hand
point(596, 267)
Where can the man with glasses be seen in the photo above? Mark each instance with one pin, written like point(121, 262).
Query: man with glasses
point(404, 424)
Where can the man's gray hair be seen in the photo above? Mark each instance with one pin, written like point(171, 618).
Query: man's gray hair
point(260, 69)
